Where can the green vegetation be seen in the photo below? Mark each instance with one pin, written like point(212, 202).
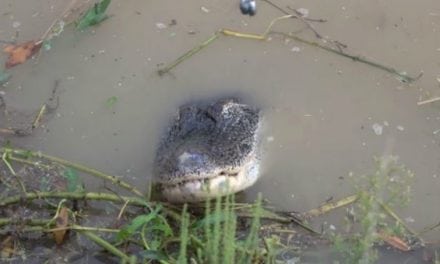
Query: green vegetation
point(94, 15)
point(111, 101)
point(386, 187)
point(218, 231)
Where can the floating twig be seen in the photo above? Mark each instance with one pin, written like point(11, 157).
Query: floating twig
point(187, 55)
point(402, 76)
point(39, 116)
point(432, 100)
point(319, 20)
point(391, 213)
point(428, 229)
point(327, 207)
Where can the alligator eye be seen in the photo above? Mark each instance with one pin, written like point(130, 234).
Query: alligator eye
point(248, 7)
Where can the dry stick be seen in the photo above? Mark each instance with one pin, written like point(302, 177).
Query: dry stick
point(390, 212)
point(432, 100)
point(77, 166)
point(187, 55)
point(39, 116)
point(74, 195)
point(66, 10)
point(122, 210)
point(28, 222)
point(308, 25)
point(402, 76)
point(287, 13)
point(331, 206)
point(428, 229)
point(207, 42)
point(98, 196)
point(52, 25)
point(7, 131)
point(306, 20)
point(5, 158)
point(106, 245)
point(46, 222)
point(84, 228)
point(29, 162)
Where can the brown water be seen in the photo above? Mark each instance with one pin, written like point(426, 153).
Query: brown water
point(319, 108)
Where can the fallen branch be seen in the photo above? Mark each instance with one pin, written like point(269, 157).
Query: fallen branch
point(187, 55)
point(399, 74)
point(106, 245)
point(393, 215)
point(327, 207)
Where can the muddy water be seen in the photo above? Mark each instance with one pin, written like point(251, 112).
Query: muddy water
point(319, 108)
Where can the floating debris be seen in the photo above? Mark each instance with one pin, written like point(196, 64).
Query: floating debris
point(161, 25)
point(21, 52)
point(377, 128)
point(16, 24)
point(303, 11)
point(204, 9)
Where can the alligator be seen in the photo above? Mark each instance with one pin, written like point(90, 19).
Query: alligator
point(211, 149)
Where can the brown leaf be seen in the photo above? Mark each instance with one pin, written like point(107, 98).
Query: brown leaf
point(394, 241)
point(7, 248)
point(22, 52)
point(61, 224)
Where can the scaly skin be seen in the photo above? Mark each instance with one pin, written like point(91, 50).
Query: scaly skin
point(210, 150)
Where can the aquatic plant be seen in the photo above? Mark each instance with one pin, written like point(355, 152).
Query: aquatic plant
point(388, 186)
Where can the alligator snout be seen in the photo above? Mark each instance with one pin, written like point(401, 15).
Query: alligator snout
point(210, 150)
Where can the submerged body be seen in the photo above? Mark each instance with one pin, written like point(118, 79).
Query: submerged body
point(210, 150)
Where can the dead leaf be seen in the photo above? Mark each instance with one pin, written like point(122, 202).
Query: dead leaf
point(394, 241)
point(22, 52)
point(7, 248)
point(61, 224)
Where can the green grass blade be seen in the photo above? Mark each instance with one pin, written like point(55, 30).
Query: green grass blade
point(251, 243)
point(136, 224)
point(184, 236)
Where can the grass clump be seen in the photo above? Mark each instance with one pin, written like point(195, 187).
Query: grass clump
point(215, 237)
